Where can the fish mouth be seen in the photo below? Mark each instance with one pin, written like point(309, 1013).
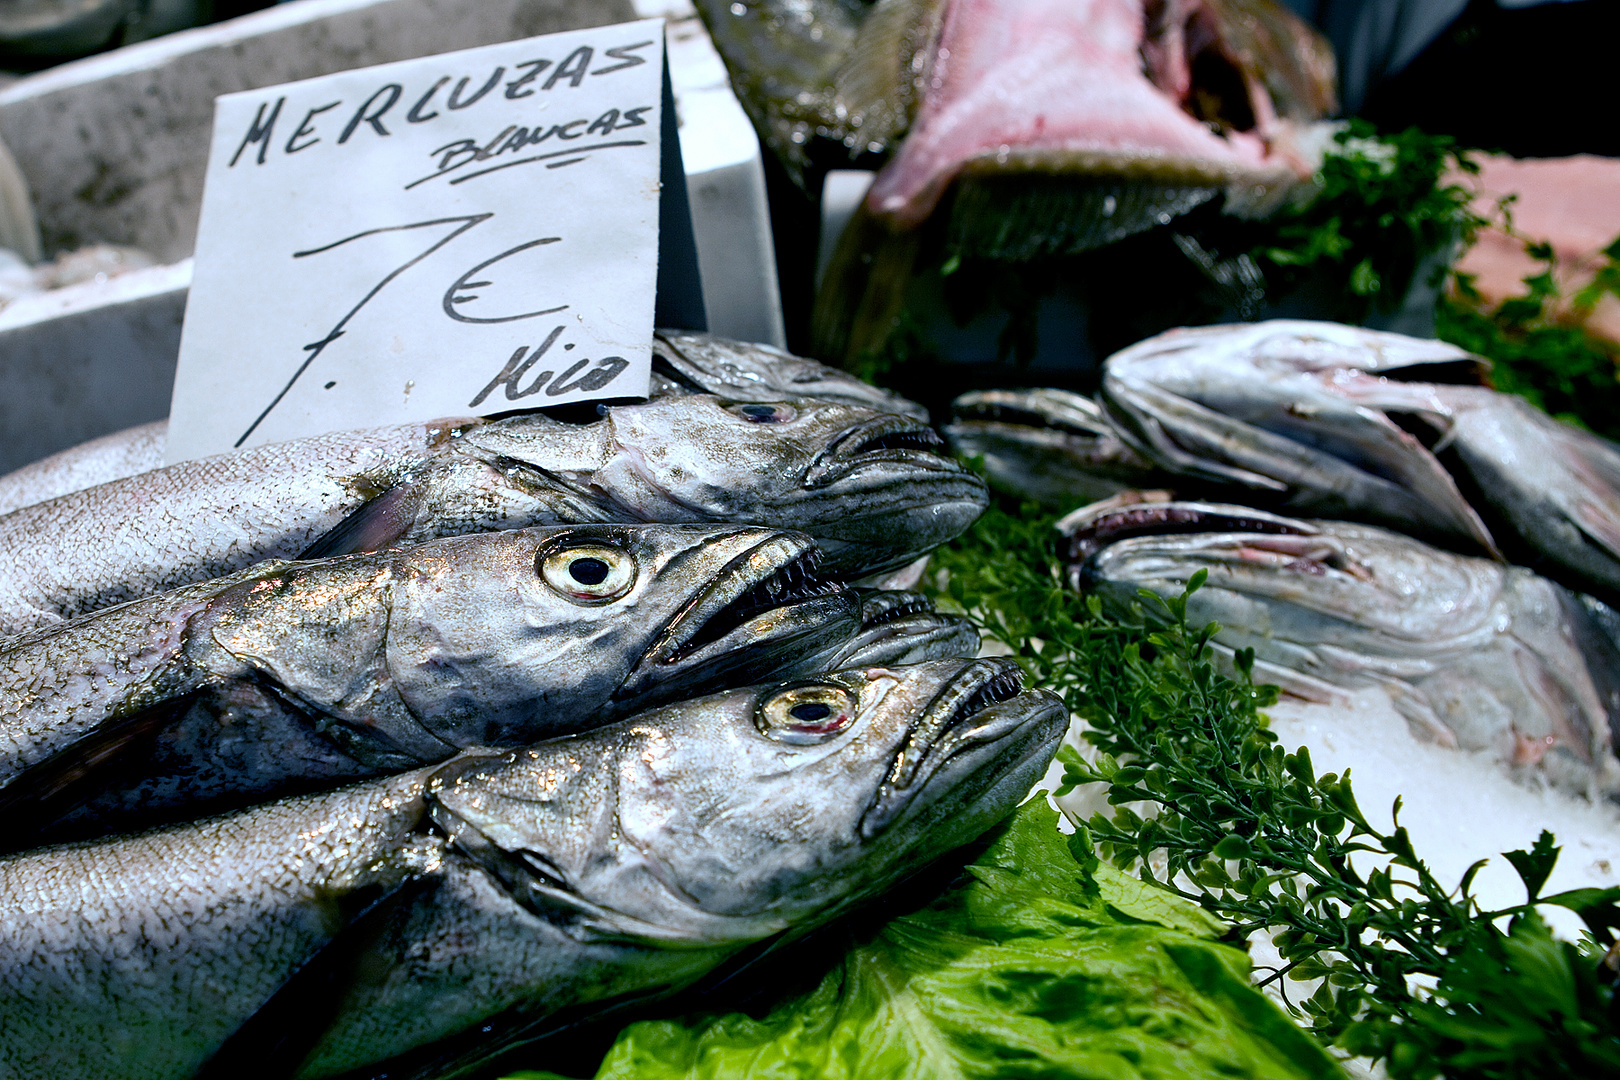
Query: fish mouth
point(1071, 415)
point(1090, 529)
point(904, 628)
point(889, 438)
point(981, 726)
point(759, 604)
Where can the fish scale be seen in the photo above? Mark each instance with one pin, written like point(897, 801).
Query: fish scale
point(690, 459)
point(419, 924)
point(290, 676)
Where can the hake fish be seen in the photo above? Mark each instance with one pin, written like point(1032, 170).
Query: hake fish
point(290, 676)
point(1473, 653)
point(1346, 422)
point(1051, 445)
point(872, 488)
point(683, 363)
point(421, 923)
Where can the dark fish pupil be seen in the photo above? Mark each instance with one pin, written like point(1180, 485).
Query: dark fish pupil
point(588, 571)
point(810, 712)
point(760, 414)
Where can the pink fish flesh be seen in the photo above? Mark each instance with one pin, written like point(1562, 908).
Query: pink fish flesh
point(1058, 85)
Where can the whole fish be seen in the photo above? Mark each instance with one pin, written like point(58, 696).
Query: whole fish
point(1354, 423)
point(1473, 653)
point(1051, 445)
point(290, 676)
point(683, 363)
point(872, 488)
point(419, 924)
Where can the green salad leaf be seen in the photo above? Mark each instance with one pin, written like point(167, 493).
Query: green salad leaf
point(1037, 962)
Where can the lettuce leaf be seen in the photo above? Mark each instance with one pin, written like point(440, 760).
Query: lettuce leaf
point(1039, 962)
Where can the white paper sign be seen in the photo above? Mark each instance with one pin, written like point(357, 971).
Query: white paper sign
point(473, 232)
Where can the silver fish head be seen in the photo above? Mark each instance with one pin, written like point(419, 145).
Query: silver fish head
point(875, 489)
point(739, 815)
point(1471, 652)
point(904, 628)
point(1047, 444)
point(1303, 414)
point(749, 371)
point(502, 638)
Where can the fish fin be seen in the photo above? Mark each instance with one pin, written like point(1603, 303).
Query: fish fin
point(275, 1041)
point(375, 524)
point(42, 794)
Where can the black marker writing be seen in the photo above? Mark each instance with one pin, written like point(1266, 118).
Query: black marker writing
point(573, 68)
point(535, 68)
point(259, 132)
point(316, 348)
point(393, 90)
point(304, 129)
point(457, 294)
point(416, 115)
point(621, 52)
point(455, 101)
point(453, 156)
point(517, 367)
point(511, 376)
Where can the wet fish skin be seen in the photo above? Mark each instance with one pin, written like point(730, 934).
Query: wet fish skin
point(123, 453)
point(872, 485)
point(749, 371)
point(1304, 414)
point(1473, 653)
point(1046, 444)
point(1554, 490)
point(389, 661)
point(632, 858)
point(899, 627)
point(683, 363)
point(1262, 407)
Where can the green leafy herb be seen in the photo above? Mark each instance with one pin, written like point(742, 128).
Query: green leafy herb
point(1037, 962)
point(1382, 217)
point(1251, 833)
point(1555, 364)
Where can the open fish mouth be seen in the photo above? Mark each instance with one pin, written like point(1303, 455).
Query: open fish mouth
point(1044, 410)
point(886, 439)
point(1090, 529)
point(758, 604)
point(981, 726)
point(904, 628)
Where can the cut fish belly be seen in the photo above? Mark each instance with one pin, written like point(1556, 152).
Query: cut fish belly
point(1056, 85)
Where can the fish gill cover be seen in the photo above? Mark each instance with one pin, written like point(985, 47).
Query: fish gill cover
point(1037, 961)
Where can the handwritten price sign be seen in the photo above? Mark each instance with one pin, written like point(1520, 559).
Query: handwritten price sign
point(467, 233)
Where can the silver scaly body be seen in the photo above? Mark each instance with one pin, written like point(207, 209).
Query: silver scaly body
point(502, 888)
point(871, 487)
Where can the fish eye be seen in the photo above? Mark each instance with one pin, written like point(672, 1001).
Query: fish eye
point(803, 715)
point(765, 414)
point(589, 573)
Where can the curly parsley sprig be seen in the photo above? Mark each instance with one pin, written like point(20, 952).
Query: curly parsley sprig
point(1249, 831)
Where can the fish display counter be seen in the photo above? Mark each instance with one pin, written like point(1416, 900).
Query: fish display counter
point(811, 716)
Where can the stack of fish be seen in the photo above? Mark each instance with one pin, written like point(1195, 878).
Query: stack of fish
point(1506, 641)
point(496, 721)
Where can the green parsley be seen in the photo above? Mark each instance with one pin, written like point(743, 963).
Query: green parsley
point(1249, 831)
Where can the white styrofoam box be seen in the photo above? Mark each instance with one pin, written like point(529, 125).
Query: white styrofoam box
point(725, 183)
point(88, 359)
point(115, 147)
point(841, 193)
